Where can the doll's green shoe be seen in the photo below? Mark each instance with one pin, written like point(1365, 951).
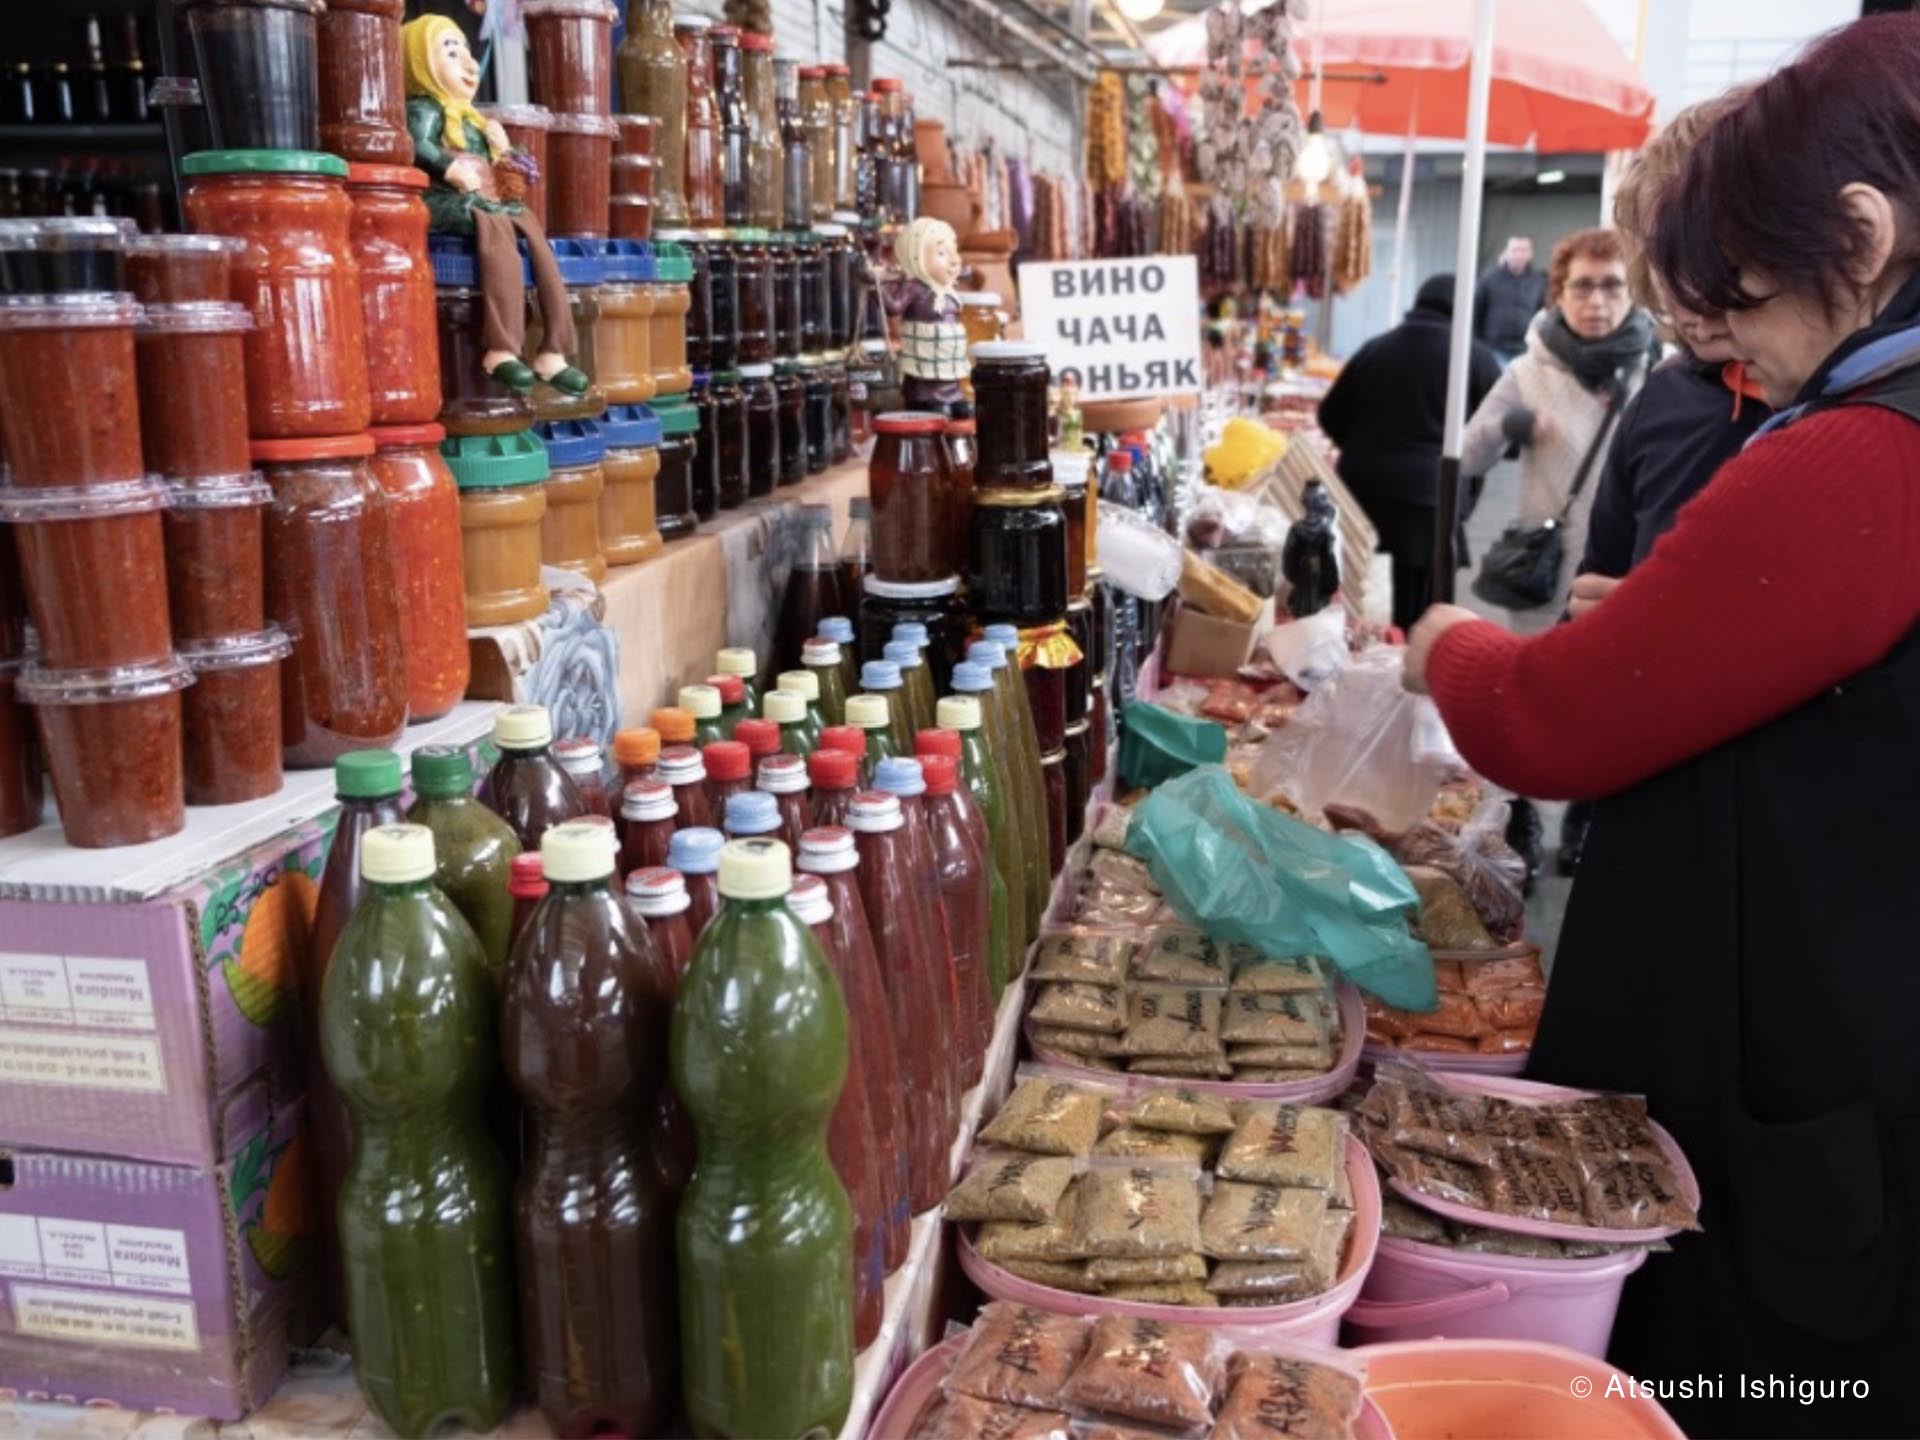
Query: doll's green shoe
point(570, 381)
point(514, 374)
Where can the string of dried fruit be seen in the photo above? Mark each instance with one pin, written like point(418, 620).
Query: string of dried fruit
point(1107, 130)
point(1353, 251)
point(1143, 141)
point(1310, 250)
point(754, 15)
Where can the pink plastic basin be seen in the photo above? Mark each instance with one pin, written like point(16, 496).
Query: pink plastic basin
point(1504, 1390)
point(1315, 1321)
point(1420, 1292)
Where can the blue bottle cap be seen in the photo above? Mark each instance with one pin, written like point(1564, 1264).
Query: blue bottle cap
point(969, 678)
point(837, 628)
point(912, 632)
point(1007, 637)
point(903, 653)
point(897, 775)
point(879, 675)
point(990, 653)
point(752, 812)
point(695, 851)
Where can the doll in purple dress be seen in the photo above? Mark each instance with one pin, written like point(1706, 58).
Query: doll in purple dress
point(933, 342)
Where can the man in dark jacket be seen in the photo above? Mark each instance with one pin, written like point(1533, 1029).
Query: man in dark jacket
point(1387, 413)
point(1507, 298)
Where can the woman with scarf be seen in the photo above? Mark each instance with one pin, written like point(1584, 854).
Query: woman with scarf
point(1587, 353)
point(1740, 947)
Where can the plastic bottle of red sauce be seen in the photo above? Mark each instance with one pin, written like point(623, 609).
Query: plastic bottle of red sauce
point(915, 973)
point(853, 741)
point(729, 773)
point(584, 1042)
point(968, 895)
point(584, 760)
point(902, 778)
point(683, 769)
point(695, 853)
point(733, 702)
point(835, 775)
point(752, 814)
point(784, 777)
point(650, 815)
point(659, 896)
point(830, 853)
point(637, 753)
point(1003, 959)
point(526, 787)
point(761, 737)
point(527, 883)
point(850, 1138)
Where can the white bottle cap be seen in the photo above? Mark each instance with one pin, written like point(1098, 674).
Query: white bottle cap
point(522, 727)
point(397, 854)
point(700, 701)
point(736, 660)
point(755, 869)
point(577, 852)
point(958, 712)
point(868, 712)
point(803, 683)
point(784, 707)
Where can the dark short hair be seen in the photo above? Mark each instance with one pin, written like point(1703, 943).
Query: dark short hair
point(1761, 191)
point(1600, 243)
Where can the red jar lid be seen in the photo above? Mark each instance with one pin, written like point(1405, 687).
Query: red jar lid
point(967, 425)
point(831, 769)
point(387, 437)
point(836, 69)
point(886, 85)
point(812, 72)
point(312, 447)
point(727, 760)
point(725, 34)
point(761, 737)
point(936, 743)
point(407, 176)
point(909, 422)
point(754, 40)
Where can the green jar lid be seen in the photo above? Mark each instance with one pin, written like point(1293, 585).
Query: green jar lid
point(672, 265)
point(263, 162)
point(366, 775)
point(495, 462)
point(676, 416)
point(441, 770)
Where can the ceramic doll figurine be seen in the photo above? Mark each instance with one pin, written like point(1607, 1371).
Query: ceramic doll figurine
point(933, 342)
point(476, 184)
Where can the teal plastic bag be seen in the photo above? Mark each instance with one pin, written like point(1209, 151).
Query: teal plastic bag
point(1242, 871)
point(1157, 744)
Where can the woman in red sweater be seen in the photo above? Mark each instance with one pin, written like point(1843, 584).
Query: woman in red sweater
point(1741, 946)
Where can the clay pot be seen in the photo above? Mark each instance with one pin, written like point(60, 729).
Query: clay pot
point(955, 204)
point(930, 147)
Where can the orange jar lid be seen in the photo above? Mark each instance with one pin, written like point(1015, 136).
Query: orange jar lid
point(313, 447)
point(387, 437)
point(408, 176)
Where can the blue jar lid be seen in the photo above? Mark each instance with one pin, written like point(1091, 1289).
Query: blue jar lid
point(899, 775)
point(1007, 637)
point(626, 260)
point(625, 427)
point(969, 678)
point(990, 653)
point(696, 851)
point(752, 812)
point(879, 675)
point(579, 260)
point(457, 266)
point(571, 442)
point(911, 632)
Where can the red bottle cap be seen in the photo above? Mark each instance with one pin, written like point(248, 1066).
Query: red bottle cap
point(526, 878)
point(937, 742)
point(733, 690)
point(1120, 460)
point(761, 737)
point(850, 738)
point(832, 769)
point(728, 760)
point(940, 774)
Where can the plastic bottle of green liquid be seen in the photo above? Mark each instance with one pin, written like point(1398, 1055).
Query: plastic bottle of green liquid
point(765, 1228)
point(704, 704)
point(882, 678)
point(822, 657)
point(733, 701)
point(583, 1035)
point(917, 679)
point(407, 1029)
point(474, 847)
point(873, 717)
point(839, 629)
point(1004, 719)
point(961, 714)
point(739, 660)
point(788, 710)
point(1021, 802)
point(806, 685)
point(1010, 682)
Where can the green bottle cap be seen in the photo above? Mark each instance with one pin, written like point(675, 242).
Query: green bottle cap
point(440, 770)
point(366, 775)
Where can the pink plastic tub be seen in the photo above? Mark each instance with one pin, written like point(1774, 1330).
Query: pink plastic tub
point(1421, 1292)
point(1504, 1390)
point(1353, 1037)
point(1315, 1321)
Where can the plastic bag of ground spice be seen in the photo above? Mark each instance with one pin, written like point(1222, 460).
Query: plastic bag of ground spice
point(1250, 1019)
point(1387, 1021)
point(1278, 1144)
point(1516, 1009)
point(1448, 920)
point(1048, 1117)
point(1138, 1211)
point(1148, 1370)
point(1261, 1222)
point(1173, 1292)
point(1168, 1067)
point(1148, 1270)
point(1184, 1110)
point(1281, 1397)
point(1016, 1186)
point(1513, 972)
point(1167, 1020)
point(1532, 1186)
point(962, 1417)
point(1438, 1179)
point(1404, 1221)
point(1264, 975)
point(1605, 1127)
point(1132, 1143)
point(1317, 1058)
point(1422, 1116)
point(1099, 903)
point(1077, 1042)
point(1017, 1355)
point(1068, 1275)
point(1056, 1239)
point(1114, 867)
point(1080, 1007)
point(1179, 957)
point(1083, 954)
point(1274, 1075)
point(1535, 1129)
point(1636, 1195)
point(1504, 1042)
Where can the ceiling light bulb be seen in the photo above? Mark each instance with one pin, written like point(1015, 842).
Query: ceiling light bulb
point(1316, 160)
point(1140, 11)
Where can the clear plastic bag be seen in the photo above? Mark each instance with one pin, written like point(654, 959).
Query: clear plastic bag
point(1138, 556)
point(1312, 651)
point(1477, 857)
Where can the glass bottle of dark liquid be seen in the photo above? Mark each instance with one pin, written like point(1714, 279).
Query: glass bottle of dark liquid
point(814, 588)
point(796, 150)
point(130, 74)
point(866, 157)
point(526, 787)
point(706, 208)
point(729, 84)
point(56, 95)
point(856, 546)
point(96, 85)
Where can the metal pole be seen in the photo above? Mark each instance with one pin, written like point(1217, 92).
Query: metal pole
point(1466, 264)
point(1400, 223)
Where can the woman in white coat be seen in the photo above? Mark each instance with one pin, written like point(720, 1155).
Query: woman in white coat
point(1557, 405)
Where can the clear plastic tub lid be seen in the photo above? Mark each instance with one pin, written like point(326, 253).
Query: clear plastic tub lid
point(30, 504)
point(68, 232)
point(977, 299)
point(527, 117)
point(196, 317)
point(568, 9)
point(185, 245)
point(566, 122)
point(918, 590)
point(998, 352)
point(38, 685)
point(237, 652)
point(88, 309)
point(219, 492)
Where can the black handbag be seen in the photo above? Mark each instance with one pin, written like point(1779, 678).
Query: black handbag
point(1522, 568)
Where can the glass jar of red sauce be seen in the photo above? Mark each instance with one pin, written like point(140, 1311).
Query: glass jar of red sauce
point(232, 717)
point(193, 389)
point(424, 511)
point(673, 486)
point(527, 127)
point(503, 500)
point(579, 174)
point(570, 533)
point(915, 532)
point(68, 389)
point(333, 586)
point(637, 134)
point(570, 54)
point(363, 88)
point(306, 355)
point(396, 292)
point(1018, 569)
point(22, 799)
point(181, 269)
point(111, 738)
point(1010, 379)
point(94, 561)
point(629, 530)
point(216, 583)
point(672, 272)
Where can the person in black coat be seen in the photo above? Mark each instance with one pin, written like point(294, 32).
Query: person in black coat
point(1387, 413)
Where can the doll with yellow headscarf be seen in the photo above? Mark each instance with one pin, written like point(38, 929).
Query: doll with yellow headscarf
point(475, 182)
point(933, 342)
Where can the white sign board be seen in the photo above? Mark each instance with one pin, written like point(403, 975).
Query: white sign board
point(1117, 327)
